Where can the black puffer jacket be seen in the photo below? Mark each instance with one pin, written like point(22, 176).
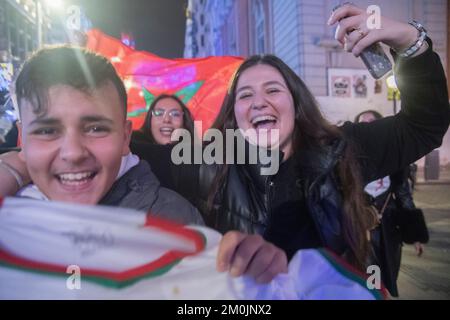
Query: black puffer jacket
point(301, 198)
point(401, 222)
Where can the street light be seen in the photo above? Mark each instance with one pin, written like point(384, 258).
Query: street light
point(392, 86)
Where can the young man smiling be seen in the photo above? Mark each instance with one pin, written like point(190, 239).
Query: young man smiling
point(75, 139)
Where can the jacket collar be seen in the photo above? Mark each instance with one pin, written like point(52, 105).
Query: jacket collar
point(314, 163)
point(138, 179)
point(253, 170)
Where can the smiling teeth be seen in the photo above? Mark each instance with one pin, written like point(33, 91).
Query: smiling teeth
point(75, 176)
point(263, 118)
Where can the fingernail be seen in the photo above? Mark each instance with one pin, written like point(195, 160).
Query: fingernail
point(234, 272)
point(329, 20)
point(261, 281)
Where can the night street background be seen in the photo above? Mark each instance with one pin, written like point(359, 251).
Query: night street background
point(158, 26)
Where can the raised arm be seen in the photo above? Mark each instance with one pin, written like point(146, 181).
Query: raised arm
point(392, 143)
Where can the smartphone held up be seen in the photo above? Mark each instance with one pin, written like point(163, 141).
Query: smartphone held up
point(376, 60)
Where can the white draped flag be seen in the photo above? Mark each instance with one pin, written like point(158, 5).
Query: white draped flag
point(54, 250)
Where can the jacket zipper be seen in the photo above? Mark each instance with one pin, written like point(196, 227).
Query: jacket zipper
point(269, 188)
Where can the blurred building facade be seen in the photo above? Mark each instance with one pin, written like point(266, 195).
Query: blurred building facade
point(26, 25)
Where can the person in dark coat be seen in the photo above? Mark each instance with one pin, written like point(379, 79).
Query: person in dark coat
point(392, 197)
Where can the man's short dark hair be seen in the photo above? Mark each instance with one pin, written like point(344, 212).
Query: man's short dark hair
point(64, 65)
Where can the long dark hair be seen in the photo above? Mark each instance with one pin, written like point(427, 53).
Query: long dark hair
point(311, 130)
point(188, 122)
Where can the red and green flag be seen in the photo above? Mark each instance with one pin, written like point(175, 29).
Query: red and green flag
point(201, 83)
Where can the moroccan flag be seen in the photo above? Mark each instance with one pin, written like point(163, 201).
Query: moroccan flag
point(200, 83)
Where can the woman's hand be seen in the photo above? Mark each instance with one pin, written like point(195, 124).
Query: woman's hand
point(355, 35)
point(251, 255)
point(419, 247)
point(9, 185)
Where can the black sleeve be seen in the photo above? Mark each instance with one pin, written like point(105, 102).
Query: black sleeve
point(389, 144)
point(402, 189)
point(183, 178)
point(158, 157)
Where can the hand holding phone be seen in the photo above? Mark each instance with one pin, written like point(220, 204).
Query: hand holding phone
point(374, 57)
point(376, 60)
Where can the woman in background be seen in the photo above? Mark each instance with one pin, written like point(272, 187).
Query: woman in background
point(400, 221)
point(166, 114)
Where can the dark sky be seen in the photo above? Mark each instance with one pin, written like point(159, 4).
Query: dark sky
point(158, 26)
